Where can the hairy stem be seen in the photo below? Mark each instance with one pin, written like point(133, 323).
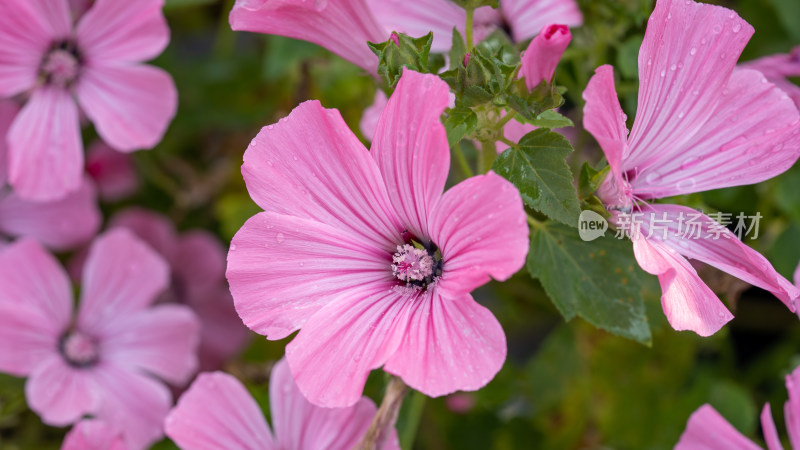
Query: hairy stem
point(470, 15)
point(386, 416)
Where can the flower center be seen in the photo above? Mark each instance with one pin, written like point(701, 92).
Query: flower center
point(417, 267)
point(78, 349)
point(61, 65)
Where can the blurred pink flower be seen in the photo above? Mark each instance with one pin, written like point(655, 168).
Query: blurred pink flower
point(460, 402)
point(93, 434)
point(95, 61)
point(197, 262)
point(778, 68)
point(701, 124)
point(708, 430)
point(113, 172)
point(217, 413)
point(328, 254)
point(539, 61)
point(103, 359)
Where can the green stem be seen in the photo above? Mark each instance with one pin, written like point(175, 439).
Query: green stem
point(487, 156)
point(226, 38)
point(535, 223)
point(509, 143)
point(470, 16)
point(412, 413)
point(505, 119)
point(462, 161)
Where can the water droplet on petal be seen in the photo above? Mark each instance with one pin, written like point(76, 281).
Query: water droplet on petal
point(693, 51)
point(279, 237)
point(717, 29)
point(690, 162)
point(736, 27)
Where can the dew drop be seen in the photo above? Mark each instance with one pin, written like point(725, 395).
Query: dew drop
point(673, 67)
point(233, 247)
point(736, 27)
point(279, 237)
point(717, 29)
point(693, 51)
point(663, 73)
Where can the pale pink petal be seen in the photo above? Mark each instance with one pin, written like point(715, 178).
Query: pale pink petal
point(791, 408)
point(311, 165)
point(61, 394)
point(92, 434)
point(60, 224)
point(450, 345)
point(222, 333)
point(119, 31)
point(302, 426)
point(283, 269)
point(342, 342)
point(26, 339)
point(198, 264)
point(687, 302)
point(161, 340)
point(708, 430)
point(527, 17)
point(543, 54)
point(732, 148)
point(717, 246)
point(27, 30)
point(155, 230)
point(481, 230)
point(45, 151)
point(604, 119)
point(122, 275)
point(130, 106)
point(796, 276)
point(133, 403)
point(778, 68)
point(342, 26)
point(769, 430)
point(689, 52)
point(419, 17)
point(113, 172)
point(32, 281)
point(217, 413)
point(411, 149)
point(8, 111)
point(369, 120)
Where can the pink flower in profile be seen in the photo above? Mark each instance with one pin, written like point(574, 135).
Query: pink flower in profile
point(361, 251)
point(708, 430)
point(107, 358)
point(543, 54)
point(93, 434)
point(94, 63)
point(217, 413)
point(113, 172)
point(197, 262)
point(701, 124)
point(778, 68)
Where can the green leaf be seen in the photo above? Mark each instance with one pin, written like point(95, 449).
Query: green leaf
point(459, 123)
point(598, 280)
point(413, 53)
point(552, 119)
point(537, 167)
point(590, 179)
point(458, 50)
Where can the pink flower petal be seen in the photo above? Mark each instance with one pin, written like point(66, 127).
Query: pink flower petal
point(449, 345)
point(113, 172)
point(527, 17)
point(342, 342)
point(161, 340)
point(341, 26)
point(283, 269)
point(60, 224)
point(8, 111)
point(222, 333)
point(32, 281)
point(770, 432)
point(27, 29)
point(122, 275)
point(130, 106)
point(796, 276)
point(199, 263)
point(26, 339)
point(732, 148)
point(45, 151)
point(115, 31)
point(708, 430)
point(689, 52)
point(688, 303)
point(61, 394)
point(217, 413)
point(299, 424)
point(410, 148)
point(92, 434)
point(419, 17)
point(481, 229)
point(726, 252)
point(371, 115)
point(540, 59)
point(154, 229)
point(604, 119)
point(311, 165)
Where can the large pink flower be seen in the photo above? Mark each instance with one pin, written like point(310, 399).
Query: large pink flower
point(778, 69)
point(217, 413)
point(197, 262)
point(103, 359)
point(708, 430)
point(96, 60)
point(701, 124)
point(361, 252)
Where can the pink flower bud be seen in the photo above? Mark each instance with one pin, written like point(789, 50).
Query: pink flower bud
point(395, 38)
point(542, 55)
point(466, 59)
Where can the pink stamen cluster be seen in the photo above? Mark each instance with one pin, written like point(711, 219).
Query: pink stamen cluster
point(411, 264)
point(60, 67)
point(79, 349)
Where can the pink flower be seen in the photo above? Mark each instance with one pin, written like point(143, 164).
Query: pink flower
point(197, 262)
point(708, 430)
point(93, 434)
point(112, 171)
point(217, 413)
point(700, 125)
point(324, 256)
point(778, 68)
point(543, 54)
point(95, 61)
point(102, 359)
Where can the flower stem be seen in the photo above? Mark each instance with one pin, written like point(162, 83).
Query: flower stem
point(487, 156)
point(505, 119)
point(386, 416)
point(470, 15)
point(535, 223)
point(462, 160)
